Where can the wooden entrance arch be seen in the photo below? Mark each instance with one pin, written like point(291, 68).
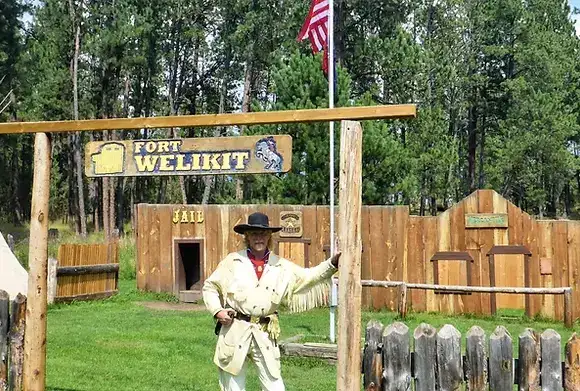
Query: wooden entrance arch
point(350, 187)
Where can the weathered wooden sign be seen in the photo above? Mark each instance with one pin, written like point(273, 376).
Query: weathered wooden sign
point(291, 223)
point(194, 156)
point(486, 220)
point(181, 216)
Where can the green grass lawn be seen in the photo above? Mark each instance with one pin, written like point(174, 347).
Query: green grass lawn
point(116, 344)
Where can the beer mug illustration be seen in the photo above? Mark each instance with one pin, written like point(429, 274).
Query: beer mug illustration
point(110, 159)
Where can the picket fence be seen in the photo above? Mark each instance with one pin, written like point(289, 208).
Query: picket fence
point(12, 324)
point(437, 362)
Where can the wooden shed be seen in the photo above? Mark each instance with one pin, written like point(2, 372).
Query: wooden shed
point(178, 246)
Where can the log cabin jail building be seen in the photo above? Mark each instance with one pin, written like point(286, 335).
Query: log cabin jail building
point(179, 246)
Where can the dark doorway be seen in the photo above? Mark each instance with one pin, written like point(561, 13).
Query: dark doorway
point(188, 266)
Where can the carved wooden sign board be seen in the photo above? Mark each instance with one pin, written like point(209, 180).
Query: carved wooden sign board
point(486, 220)
point(194, 156)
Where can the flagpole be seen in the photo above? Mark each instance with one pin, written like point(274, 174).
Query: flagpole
point(333, 291)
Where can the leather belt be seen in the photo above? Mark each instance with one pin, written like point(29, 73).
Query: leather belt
point(252, 319)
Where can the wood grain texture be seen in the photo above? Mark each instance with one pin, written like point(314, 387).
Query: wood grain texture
point(425, 347)
point(529, 355)
point(560, 265)
point(266, 117)
point(349, 223)
point(35, 336)
point(501, 363)
point(551, 350)
point(572, 364)
point(17, 331)
point(396, 358)
point(449, 361)
point(486, 242)
point(476, 359)
point(372, 357)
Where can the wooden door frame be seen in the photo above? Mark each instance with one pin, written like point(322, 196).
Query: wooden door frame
point(177, 258)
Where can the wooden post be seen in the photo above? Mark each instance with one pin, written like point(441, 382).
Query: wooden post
point(568, 308)
point(10, 242)
point(529, 360)
point(396, 358)
point(35, 335)
point(476, 360)
point(350, 289)
point(492, 297)
point(572, 364)
point(17, 322)
point(551, 371)
point(501, 360)
point(372, 357)
point(425, 357)
point(4, 321)
point(52, 280)
point(449, 368)
point(402, 300)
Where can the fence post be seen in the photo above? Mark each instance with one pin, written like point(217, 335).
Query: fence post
point(501, 360)
point(476, 359)
point(17, 329)
point(349, 229)
point(10, 242)
point(52, 280)
point(372, 357)
point(449, 368)
point(551, 372)
point(425, 347)
point(35, 346)
point(529, 360)
point(396, 358)
point(402, 307)
point(4, 321)
point(568, 308)
point(572, 364)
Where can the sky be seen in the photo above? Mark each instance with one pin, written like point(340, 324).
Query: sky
point(576, 3)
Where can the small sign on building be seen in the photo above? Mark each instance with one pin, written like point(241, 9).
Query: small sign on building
point(486, 220)
point(291, 223)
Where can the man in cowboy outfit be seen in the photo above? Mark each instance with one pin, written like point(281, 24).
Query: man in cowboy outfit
point(244, 293)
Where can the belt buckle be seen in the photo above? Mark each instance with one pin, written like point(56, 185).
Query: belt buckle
point(254, 319)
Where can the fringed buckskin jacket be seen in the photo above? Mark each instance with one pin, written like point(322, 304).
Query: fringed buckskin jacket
point(234, 285)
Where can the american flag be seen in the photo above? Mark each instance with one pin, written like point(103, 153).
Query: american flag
point(315, 27)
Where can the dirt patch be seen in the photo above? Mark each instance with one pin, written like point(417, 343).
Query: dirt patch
point(164, 306)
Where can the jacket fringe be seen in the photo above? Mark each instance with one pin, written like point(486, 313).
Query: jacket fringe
point(316, 296)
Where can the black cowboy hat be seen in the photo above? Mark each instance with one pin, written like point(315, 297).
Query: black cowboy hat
point(256, 221)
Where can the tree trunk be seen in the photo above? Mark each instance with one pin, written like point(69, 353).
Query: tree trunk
point(78, 166)
point(246, 103)
point(209, 180)
point(471, 147)
point(106, 203)
point(481, 183)
point(17, 211)
point(112, 198)
point(94, 196)
point(567, 201)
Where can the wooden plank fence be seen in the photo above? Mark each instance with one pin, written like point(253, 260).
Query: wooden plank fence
point(437, 362)
point(12, 323)
point(87, 271)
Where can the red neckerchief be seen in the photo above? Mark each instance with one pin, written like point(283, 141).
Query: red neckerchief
point(259, 264)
